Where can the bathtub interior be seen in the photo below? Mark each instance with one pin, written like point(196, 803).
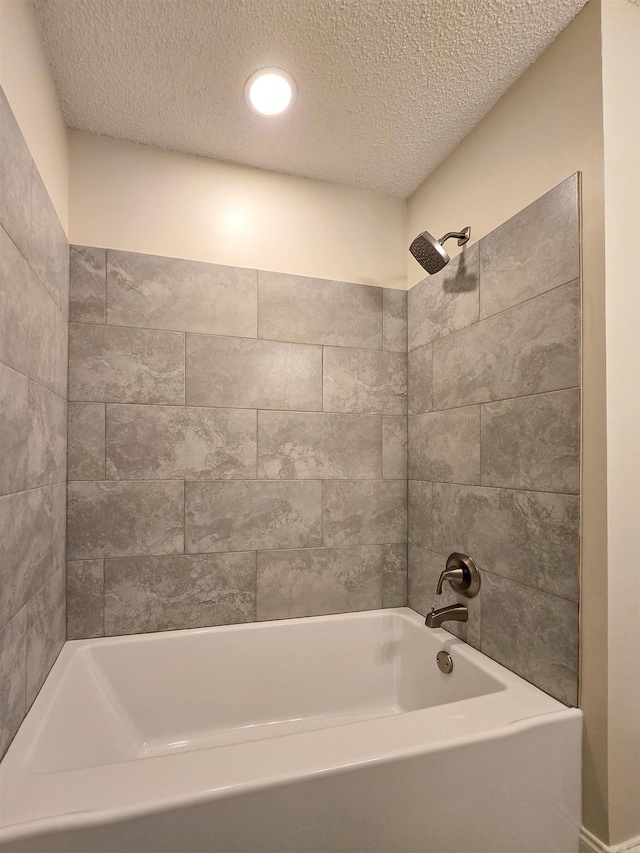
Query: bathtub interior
point(123, 699)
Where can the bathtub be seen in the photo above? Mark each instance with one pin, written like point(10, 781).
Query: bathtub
point(331, 733)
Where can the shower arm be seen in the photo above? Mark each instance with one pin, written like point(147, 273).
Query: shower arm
point(462, 236)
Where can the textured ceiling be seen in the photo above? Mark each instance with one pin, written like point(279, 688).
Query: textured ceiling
point(386, 88)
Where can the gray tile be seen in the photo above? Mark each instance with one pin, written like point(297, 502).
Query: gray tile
point(444, 302)
point(364, 381)
point(364, 512)
point(107, 519)
point(48, 248)
point(420, 380)
point(33, 331)
point(394, 320)
point(300, 446)
point(86, 441)
point(87, 285)
point(31, 526)
point(317, 581)
point(163, 593)
point(425, 568)
point(394, 575)
point(529, 537)
point(420, 525)
point(85, 599)
point(117, 365)
point(155, 292)
point(236, 515)
point(532, 634)
point(394, 447)
point(47, 438)
point(445, 446)
point(180, 442)
point(13, 677)
point(246, 373)
point(14, 428)
point(46, 631)
point(15, 177)
point(528, 349)
point(534, 251)
point(316, 311)
point(533, 442)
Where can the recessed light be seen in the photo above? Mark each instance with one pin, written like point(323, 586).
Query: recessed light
point(270, 91)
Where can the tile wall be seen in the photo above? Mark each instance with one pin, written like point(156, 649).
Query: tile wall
point(34, 276)
point(494, 438)
point(237, 445)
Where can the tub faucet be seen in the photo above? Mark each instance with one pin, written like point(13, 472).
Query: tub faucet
point(463, 575)
point(453, 613)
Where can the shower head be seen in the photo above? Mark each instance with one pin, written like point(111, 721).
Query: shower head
point(431, 254)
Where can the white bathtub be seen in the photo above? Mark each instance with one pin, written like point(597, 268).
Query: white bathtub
point(334, 733)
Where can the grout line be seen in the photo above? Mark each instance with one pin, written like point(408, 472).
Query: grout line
point(480, 320)
point(499, 400)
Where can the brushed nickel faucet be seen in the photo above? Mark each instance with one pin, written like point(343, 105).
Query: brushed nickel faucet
point(462, 574)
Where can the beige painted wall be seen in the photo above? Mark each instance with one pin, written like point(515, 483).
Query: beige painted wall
point(25, 76)
point(547, 126)
point(621, 89)
point(143, 199)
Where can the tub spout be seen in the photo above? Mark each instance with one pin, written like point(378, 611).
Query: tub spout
point(453, 613)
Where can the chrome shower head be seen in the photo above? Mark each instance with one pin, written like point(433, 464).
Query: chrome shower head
point(431, 254)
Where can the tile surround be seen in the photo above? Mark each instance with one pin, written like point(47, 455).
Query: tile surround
point(175, 387)
point(238, 440)
point(34, 276)
point(494, 438)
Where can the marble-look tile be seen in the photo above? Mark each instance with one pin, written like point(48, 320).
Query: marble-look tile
point(47, 438)
point(534, 251)
point(532, 634)
point(87, 285)
point(445, 446)
point(420, 512)
point(118, 365)
point(237, 515)
point(529, 537)
point(124, 519)
point(13, 677)
point(316, 446)
point(444, 302)
point(316, 311)
point(533, 442)
point(15, 178)
point(48, 248)
point(318, 581)
point(85, 599)
point(528, 349)
point(364, 512)
point(394, 320)
point(155, 292)
point(180, 442)
point(420, 380)
point(364, 381)
point(424, 570)
point(188, 591)
point(31, 526)
point(86, 440)
point(14, 429)
point(33, 331)
point(394, 447)
point(253, 374)
point(394, 575)
point(46, 631)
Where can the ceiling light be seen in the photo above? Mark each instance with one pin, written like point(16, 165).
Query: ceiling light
point(270, 91)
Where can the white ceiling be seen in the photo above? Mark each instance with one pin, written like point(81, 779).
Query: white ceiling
point(386, 88)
